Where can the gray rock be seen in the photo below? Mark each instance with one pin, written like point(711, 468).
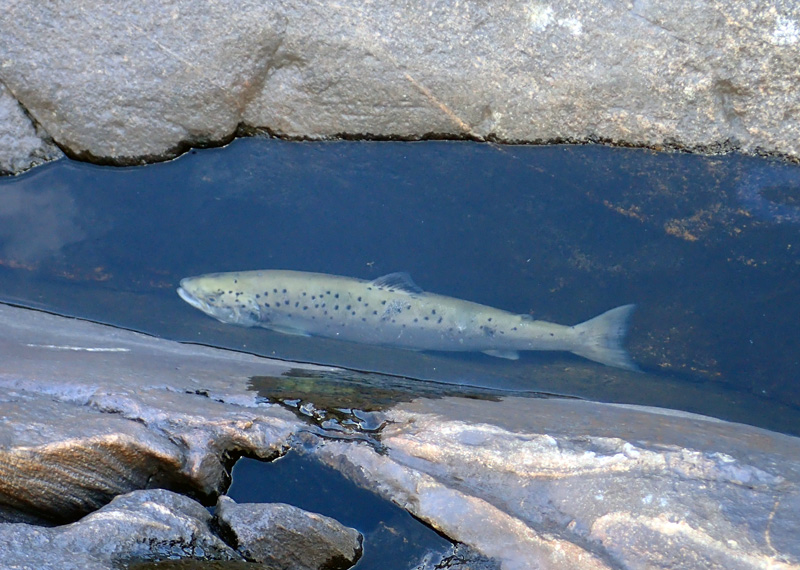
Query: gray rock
point(21, 146)
point(91, 411)
point(132, 81)
point(143, 525)
point(563, 484)
point(283, 536)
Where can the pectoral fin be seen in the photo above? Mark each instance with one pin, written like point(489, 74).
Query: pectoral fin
point(289, 330)
point(507, 354)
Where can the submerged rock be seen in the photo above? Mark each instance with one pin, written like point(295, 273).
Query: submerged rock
point(283, 536)
point(563, 484)
point(126, 84)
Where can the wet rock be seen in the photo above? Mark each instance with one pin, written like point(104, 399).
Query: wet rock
point(21, 146)
point(143, 525)
point(284, 536)
point(134, 83)
point(91, 411)
point(571, 484)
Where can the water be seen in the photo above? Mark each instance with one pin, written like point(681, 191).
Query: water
point(707, 247)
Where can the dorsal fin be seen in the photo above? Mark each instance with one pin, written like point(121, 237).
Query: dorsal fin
point(400, 281)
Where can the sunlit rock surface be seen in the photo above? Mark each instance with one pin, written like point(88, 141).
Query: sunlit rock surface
point(143, 525)
point(92, 411)
point(284, 536)
point(128, 82)
point(564, 484)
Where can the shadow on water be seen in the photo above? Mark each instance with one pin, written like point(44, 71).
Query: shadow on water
point(708, 247)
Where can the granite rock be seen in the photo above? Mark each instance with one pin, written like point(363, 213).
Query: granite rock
point(90, 411)
point(142, 525)
point(284, 536)
point(135, 81)
point(564, 484)
point(22, 145)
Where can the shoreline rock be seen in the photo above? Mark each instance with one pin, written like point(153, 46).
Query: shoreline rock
point(130, 86)
point(91, 411)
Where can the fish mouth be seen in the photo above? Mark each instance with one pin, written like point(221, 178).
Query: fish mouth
point(191, 299)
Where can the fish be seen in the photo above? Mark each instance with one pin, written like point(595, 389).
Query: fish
point(393, 311)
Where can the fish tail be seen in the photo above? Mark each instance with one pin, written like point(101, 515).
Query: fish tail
point(601, 338)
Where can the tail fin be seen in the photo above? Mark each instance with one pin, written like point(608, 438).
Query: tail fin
point(601, 338)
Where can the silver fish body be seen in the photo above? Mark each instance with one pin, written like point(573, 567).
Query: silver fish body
point(393, 311)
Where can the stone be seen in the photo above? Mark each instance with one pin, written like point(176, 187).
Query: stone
point(142, 525)
point(283, 536)
point(90, 411)
point(133, 82)
point(563, 484)
point(21, 146)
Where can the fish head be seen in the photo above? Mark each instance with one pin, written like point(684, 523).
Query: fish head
point(218, 296)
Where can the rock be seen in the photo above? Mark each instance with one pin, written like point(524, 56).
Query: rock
point(143, 525)
point(283, 536)
point(21, 146)
point(563, 484)
point(90, 411)
point(131, 83)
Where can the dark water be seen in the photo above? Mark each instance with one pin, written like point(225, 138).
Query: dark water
point(391, 535)
point(708, 247)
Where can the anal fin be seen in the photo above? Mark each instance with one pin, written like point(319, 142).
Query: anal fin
point(507, 354)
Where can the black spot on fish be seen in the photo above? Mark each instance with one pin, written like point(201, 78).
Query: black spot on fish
point(325, 313)
point(337, 295)
point(284, 290)
point(258, 296)
point(383, 302)
point(296, 304)
point(551, 334)
point(369, 288)
point(266, 293)
point(374, 312)
point(230, 292)
point(513, 329)
point(433, 311)
point(313, 297)
point(286, 302)
point(359, 299)
point(416, 320)
point(316, 305)
point(336, 307)
point(408, 307)
point(348, 307)
point(353, 313)
point(266, 305)
point(363, 319)
point(305, 307)
point(327, 292)
point(212, 299)
point(489, 319)
point(274, 290)
point(304, 293)
point(426, 318)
